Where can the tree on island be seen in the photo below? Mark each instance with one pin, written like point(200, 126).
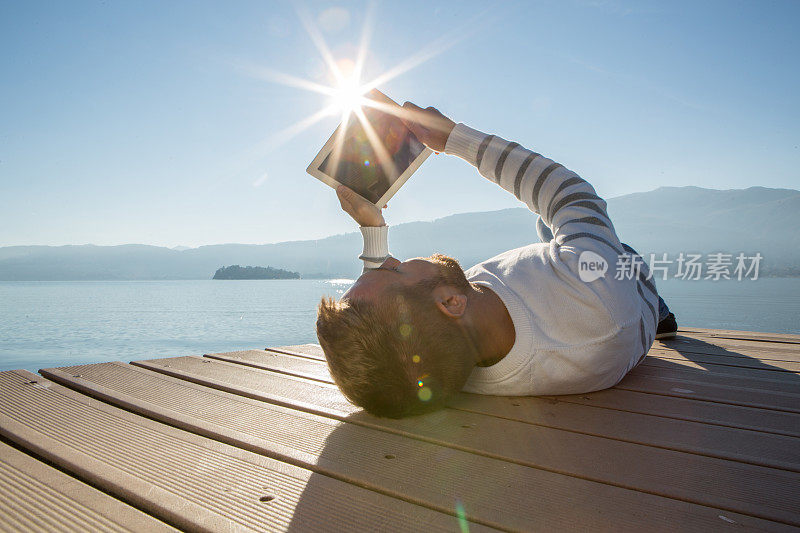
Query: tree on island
point(251, 272)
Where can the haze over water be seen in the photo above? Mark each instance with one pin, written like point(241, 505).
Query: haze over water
point(46, 324)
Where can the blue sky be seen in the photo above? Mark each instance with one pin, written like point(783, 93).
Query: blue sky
point(141, 122)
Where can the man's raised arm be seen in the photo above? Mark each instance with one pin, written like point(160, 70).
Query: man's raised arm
point(568, 205)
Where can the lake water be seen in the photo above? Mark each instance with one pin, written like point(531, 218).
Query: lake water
point(44, 324)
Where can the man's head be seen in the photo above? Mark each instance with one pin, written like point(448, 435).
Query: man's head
point(398, 342)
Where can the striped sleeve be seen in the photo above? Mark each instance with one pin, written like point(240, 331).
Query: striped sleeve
point(376, 246)
point(568, 205)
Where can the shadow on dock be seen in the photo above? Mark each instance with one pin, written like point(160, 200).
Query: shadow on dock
point(697, 351)
point(485, 476)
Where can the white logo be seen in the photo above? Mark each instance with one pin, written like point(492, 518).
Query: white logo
point(591, 266)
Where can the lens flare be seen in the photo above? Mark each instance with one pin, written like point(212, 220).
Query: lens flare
point(461, 515)
point(425, 394)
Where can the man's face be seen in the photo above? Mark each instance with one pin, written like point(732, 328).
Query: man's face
point(372, 284)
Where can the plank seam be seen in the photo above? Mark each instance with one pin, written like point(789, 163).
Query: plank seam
point(771, 355)
point(753, 339)
point(295, 354)
point(752, 461)
point(660, 357)
point(275, 370)
point(707, 399)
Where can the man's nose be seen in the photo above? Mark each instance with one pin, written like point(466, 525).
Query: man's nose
point(390, 262)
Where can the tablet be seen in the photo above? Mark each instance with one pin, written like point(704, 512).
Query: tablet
point(373, 159)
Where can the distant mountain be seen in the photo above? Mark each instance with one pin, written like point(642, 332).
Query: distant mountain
point(666, 220)
point(674, 219)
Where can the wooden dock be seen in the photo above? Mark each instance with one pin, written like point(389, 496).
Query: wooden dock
point(704, 436)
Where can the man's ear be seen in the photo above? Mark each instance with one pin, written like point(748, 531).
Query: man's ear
point(450, 301)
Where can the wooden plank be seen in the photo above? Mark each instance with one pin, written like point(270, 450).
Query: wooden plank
point(765, 351)
point(774, 365)
point(751, 371)
point(283, 362)
point(742, 347)
point(768, 493)
point(359, 453)
point(784, 384)
point(314, 351)
point(691, 409)
point(764, 354)
point(306, 350)
point(186, 480)
point(37, 497)
point(740, 334)
point(706, 387)
point(744, 417)
point(736, 444)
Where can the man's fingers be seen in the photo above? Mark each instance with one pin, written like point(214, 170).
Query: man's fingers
point(350, 196)
point(415, 120)
point(344, 194)
point(364, 212)
point(407, 115)
point(429, 118)
point(412, 113)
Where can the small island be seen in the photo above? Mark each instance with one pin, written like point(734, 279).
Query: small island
point(251, 272)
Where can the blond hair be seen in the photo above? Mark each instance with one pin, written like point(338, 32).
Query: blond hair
point(397, 357)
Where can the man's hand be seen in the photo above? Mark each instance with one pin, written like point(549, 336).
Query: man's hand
point(362, 210)
point(429, 125)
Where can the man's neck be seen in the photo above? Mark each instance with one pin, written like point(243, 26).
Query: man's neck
point(489, 318)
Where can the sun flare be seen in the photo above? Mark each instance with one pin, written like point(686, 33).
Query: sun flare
point(348, 95)
point(346, 92)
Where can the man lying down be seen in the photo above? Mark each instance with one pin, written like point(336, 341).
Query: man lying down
point(409, 335)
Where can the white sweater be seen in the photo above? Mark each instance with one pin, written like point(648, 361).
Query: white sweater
point(572, 336)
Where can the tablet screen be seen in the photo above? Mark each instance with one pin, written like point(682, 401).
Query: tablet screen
point(372, 168)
